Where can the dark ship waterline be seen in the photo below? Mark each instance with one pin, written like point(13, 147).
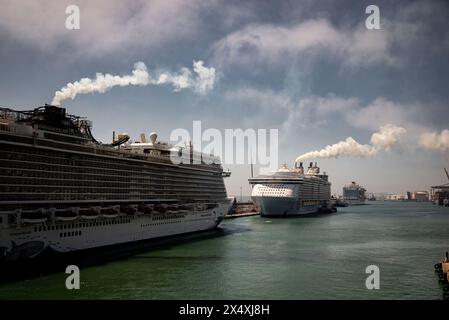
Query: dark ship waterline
point(62, 190)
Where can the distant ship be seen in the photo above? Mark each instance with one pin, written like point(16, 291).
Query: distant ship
point(292, 191)
point(354, 194)
point(62, 191)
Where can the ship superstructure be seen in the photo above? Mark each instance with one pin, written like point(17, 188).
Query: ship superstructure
point(61, 190)
point(354, 194)
point(292, 191)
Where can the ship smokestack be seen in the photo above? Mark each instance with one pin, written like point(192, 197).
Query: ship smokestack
point(311, 165)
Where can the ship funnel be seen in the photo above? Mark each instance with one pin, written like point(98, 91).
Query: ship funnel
point(310, 164)
point(153, 137)
point(300, 164)
point(142, 138)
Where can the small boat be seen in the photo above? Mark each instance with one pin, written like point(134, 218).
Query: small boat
point(69, 214)
point(34, 216)
point(110, 212)
point(339, 202)
point(90, 213)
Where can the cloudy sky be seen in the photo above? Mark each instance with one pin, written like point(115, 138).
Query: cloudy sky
point(310, 69)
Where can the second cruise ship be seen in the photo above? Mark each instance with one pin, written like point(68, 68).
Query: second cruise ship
point(354, 194)
point(292, 191)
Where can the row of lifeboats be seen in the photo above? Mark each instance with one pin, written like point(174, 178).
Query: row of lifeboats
point(73, 213)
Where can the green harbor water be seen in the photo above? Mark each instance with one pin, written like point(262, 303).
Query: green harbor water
point(317, 257)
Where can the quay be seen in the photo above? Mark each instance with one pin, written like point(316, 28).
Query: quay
point(242, 209)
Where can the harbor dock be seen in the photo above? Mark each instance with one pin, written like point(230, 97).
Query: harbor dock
point(242, 209)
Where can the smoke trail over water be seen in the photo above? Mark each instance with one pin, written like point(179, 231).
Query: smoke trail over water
point(202, 82)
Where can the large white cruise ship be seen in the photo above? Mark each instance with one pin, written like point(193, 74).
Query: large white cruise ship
point(292, 191)
point(62, 191)
point(354, 194)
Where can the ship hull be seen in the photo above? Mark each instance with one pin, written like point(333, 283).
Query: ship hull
point(283, 207)
point(30, 241)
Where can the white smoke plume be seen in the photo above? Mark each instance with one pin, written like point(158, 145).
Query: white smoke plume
point(202, 82)
point(387, 137)
point(435, 141)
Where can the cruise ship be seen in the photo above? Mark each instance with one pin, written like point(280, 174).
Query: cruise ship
point(354, 194)
point(292, 191)
point(63, 191)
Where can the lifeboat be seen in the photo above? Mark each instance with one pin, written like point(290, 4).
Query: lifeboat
point(89, 213)
point(172, 207)
point(183, 207)
point(110, 212)
point(128, 210)
point(69, 214)
point(146, 209)
point(162, 207)
point(34, 216)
